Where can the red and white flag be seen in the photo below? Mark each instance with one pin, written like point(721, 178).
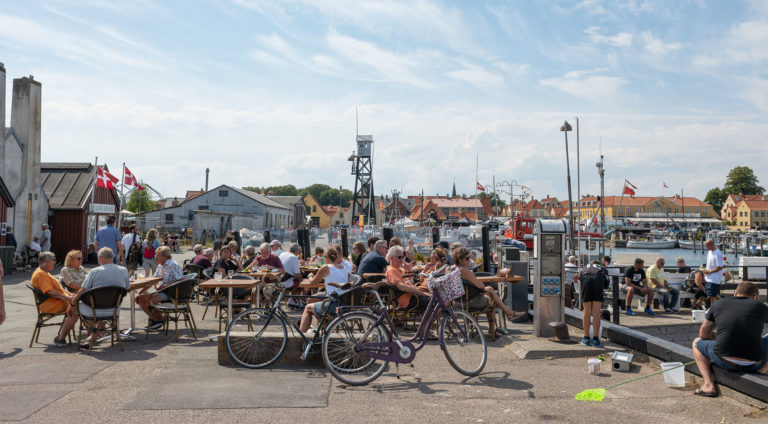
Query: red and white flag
point(480, 186)
point(105, 179)
point(629, 189)
point(130, 179)
point(665, 184)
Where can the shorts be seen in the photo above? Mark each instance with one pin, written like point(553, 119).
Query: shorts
point(329, 306)
point(150, 264)
point(592, 291)
point(164, 296)
point(699, 293)
point(707, 348)
point(623, 288)
point(712, 289)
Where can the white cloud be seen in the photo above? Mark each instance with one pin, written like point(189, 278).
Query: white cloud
point(586, 85)
point(656, 46)
point(756, 91)
point(622, 39)
point(479, 77)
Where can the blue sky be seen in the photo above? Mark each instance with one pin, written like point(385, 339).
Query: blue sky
point(264, 92)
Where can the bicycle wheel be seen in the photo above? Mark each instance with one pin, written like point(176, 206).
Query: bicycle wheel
point(463, 343)
point(339, 355)
point(256, 340)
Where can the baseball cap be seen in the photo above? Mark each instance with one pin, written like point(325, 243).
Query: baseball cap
point(444, 244)
point(274, 242)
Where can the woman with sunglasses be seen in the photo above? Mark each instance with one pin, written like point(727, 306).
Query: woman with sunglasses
point(461, 257)
point(73, 274)
point(412, 295)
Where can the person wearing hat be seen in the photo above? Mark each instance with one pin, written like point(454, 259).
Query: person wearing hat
point(447, 249)
point(276, 247)
point(109, 236)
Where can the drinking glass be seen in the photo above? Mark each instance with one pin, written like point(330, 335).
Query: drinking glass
point(217, 276)
point(230, 272)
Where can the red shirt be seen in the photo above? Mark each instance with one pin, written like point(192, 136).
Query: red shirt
point(271, 260)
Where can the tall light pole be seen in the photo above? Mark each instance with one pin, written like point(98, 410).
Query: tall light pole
point(578, 193)
point(601, 173)
point(565, 128)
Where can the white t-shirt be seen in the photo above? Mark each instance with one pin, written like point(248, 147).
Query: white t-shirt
point(290, 263)
point(128, 241)
point(33, 245)
point(714, 260)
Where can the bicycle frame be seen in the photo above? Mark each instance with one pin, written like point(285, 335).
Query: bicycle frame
point(407, 351)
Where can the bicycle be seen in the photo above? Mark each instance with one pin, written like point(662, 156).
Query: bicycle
point(257, 337)
point(363, 347)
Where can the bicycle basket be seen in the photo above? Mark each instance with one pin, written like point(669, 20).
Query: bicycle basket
point(448, 286)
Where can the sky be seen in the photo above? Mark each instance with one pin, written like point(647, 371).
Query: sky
point(265, 92)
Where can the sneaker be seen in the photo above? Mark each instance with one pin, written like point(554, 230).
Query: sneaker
point(675, 310)
point(586, 341)
point(155, 325)
point(59, 342)
point(630, 312)
point(596, 342)
point(667, 309)
point(650, 312)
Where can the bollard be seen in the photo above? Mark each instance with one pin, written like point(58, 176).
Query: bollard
point(486, 249)
point(344, 243)
point(386, 234)
point(616, 301)
point(435, 235)
point(267, 236)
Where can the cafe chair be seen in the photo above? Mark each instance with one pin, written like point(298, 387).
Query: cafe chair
point(43, 319)
point(190, 268)
point(477, 304)
point(180, 294)
point(105, 301)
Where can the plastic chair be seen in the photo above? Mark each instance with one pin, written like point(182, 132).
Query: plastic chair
point(103, 307)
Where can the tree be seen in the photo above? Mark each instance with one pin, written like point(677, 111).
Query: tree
point(716, 197)
point(140, 201)
point(742, 180)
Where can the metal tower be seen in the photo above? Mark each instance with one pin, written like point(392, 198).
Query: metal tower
point(362, 169)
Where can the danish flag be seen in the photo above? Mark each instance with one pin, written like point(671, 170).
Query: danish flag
point(105, 179)
point(131, 180)
point(480, 186)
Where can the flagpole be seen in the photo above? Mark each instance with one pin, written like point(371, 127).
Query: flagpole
point(122, 198)
point(477, 181)
point(93, 192)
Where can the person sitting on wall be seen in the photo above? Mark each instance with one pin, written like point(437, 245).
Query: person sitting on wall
point(730, 337)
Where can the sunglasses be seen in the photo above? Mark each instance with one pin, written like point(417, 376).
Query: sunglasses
point(399, 257)
point(79, 259)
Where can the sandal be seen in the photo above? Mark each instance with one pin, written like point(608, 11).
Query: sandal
point(699, 392)
point(515, 315)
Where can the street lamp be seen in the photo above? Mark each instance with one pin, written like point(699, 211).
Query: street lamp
point(565, 128)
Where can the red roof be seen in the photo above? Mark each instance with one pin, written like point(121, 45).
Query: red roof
point(756, 204)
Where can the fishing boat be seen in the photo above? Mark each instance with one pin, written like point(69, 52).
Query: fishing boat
point(686, 244)
point(651, 244)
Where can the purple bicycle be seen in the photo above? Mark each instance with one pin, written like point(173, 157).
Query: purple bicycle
point(359, 344)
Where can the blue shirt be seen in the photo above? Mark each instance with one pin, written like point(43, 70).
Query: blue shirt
point(372, 263)
point(110, 237)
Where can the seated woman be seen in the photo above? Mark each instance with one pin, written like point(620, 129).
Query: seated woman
point(436, 260)
point(73, 274)
point(359, 250)
point(413, 296)
point(460, 256)
point(248, 257)
point(319, 254)
point(335, 275)
point(224, 265)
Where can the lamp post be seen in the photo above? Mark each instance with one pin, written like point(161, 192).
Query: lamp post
point(565, 128)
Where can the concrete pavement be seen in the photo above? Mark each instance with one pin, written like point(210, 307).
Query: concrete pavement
point(160, 380)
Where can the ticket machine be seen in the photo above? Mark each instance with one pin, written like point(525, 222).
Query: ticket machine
point(549, 246)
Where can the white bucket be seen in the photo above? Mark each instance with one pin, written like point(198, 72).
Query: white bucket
point(675, 377)
point(698, 315)
point(594, 366)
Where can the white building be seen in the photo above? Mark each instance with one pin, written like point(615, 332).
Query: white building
point(20, 146)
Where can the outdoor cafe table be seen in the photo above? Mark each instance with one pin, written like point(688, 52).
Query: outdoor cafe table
point(229, 285)
point(138, 284)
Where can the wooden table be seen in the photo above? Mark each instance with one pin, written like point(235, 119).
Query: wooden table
point(497, 279)
point(139, 284)
point(306, 284)
point(229, 285)
point(261, 274)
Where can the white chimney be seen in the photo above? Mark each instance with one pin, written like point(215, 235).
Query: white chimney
point(2, 107)
point(25, 120)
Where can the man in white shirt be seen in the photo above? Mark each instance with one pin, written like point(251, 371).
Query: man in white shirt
point(129, 239)
point(713, 275)
point(34, 246)
point(292, 277)
point(45, 239)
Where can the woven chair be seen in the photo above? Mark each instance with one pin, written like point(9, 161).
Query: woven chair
point(476, 304)
point(105, 301)
point(43, 318)
point(180, 294)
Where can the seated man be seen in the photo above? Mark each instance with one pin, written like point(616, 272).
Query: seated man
point(730, 337)
point(635, 282)
point(107, 274)
point(292, 277)
point(59, 300)
point(267, 259)
point(34, 247)
point(373, 262)
point(203, 258)
point(170, 272)
point(658, 282)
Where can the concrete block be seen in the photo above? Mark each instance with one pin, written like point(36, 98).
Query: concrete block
point(291, 355)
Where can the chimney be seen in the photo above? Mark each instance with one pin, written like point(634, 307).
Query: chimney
point(25, 120)
point(207, 171)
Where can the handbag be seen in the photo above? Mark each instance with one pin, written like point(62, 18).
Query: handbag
point(448, 287)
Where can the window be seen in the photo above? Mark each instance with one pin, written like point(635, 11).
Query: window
point(341, 214)
point(223, 193)
point(762, 214)
point(314, 208)
point(169, 218)
point(203, 207)
point(756, 214)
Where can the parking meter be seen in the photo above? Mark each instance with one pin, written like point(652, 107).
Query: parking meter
point(549, 246)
